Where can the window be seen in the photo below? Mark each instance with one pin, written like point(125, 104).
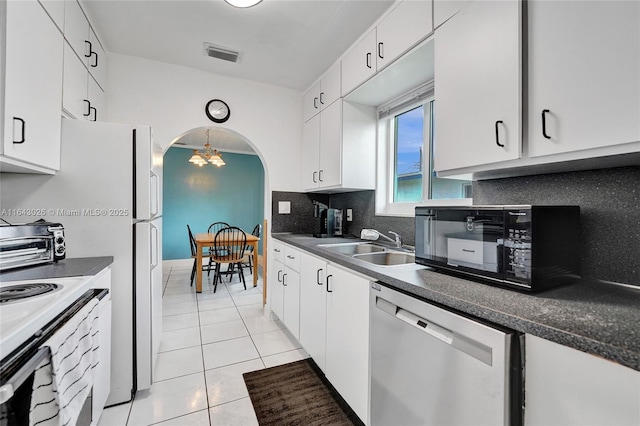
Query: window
point(405, 151)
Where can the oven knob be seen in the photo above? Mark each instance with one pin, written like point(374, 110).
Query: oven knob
point(60, 250)
point(60, 240)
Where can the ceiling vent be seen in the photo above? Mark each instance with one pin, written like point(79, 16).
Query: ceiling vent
point(221, 52)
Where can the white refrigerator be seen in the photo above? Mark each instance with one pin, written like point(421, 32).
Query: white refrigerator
point(108, 197)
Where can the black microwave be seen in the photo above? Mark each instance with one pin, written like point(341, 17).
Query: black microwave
point(526, 247)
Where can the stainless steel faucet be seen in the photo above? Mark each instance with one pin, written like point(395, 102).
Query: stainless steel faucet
point(397, 241)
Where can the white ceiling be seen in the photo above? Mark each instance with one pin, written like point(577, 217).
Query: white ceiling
point(287, 43)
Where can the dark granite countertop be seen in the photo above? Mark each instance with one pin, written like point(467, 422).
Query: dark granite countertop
point(73, 267)
point(594, 317)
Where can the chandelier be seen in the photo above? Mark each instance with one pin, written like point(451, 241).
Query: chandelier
point(213, 156)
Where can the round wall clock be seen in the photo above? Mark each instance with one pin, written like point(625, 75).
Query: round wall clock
point(217, 111)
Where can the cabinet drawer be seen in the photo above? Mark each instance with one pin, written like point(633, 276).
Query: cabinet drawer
point(292, 259)
point(278, 252)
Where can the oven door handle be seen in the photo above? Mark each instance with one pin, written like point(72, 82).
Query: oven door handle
point(7, 390)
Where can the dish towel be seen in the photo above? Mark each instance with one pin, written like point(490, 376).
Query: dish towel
point(63, 380)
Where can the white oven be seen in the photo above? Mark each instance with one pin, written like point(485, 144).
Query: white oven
point(36, 312)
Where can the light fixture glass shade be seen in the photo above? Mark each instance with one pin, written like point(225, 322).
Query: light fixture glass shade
point(243, 3)
point(208, 154)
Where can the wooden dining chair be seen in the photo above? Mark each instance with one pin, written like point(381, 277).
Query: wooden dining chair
point(213, 229)
point(229, 246)
point(248, 256)
point(194, 255)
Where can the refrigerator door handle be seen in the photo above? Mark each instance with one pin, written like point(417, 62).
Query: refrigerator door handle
point(154, 246)
point(155, 196)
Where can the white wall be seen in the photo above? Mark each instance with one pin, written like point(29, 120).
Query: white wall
point(171, 99)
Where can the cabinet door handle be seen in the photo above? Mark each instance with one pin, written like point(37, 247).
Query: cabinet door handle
point(544, 123)
point(88, 104)
point(320, 175)
point(276, 250)
point(23, 129)
point(318, 277)
point(95, 114)
point(321, 102)
point(290, 257)
point(94, 65)
point(369, 60)
point(315, 103)
point(501, 145)
point(329, 291)
point(380, 52)
point(279, 277)
point(88, 55)
point(314, 177)
point(283, 280)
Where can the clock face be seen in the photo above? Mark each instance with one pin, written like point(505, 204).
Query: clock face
point(217, 111)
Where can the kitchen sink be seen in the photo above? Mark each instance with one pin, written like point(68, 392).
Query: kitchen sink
point(351, 249)
point(387, 258)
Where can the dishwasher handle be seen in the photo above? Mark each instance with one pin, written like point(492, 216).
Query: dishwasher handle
point(457, 340)
point(414, 320)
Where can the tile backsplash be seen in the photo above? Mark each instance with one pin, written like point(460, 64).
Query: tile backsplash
point(609, 201)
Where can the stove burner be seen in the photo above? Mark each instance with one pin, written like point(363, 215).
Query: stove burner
point(21, 291)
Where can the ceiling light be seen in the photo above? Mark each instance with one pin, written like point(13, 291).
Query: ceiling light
point(213, 156)
point(243, 3)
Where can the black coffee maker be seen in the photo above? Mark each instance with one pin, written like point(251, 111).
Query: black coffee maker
point(330, 224)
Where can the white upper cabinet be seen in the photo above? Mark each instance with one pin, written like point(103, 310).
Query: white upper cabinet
point(403, 28)
point(406, 25)
point(338, 148)
point(76, 28)
point(584, 75)
point(323, 93)
point(32, 74)
point(84, 42)
point(478, 86)
point(97, 60)
point(359, 63)
point(55, 9)
point(445, 9)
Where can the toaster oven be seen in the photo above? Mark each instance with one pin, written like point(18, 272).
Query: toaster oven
point(31, 244)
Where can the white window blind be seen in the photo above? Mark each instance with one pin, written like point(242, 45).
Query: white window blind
point(412, 98)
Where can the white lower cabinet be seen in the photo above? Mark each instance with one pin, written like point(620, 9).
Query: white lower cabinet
point(313, 308)
point(102, 378)
point(284, 287)
point(564, 386)
point(347, 347)
point(334, 327)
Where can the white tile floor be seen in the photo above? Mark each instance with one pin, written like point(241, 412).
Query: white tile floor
point(208, 341)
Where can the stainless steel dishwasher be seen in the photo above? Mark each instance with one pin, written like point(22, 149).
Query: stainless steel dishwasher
point(431, 366)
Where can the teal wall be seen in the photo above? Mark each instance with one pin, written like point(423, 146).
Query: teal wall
point(199, 196)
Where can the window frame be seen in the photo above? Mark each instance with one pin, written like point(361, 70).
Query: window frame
point(384, 204)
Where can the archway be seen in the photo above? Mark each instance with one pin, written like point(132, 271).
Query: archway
point(198, 196)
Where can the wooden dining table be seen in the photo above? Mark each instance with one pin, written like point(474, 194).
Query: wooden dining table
point(205, 239)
